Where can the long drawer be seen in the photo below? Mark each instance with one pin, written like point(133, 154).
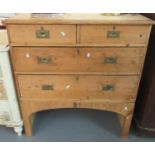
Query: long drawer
point(104, 88)
point(42, 34)
point(106, 60)
point(111, 34)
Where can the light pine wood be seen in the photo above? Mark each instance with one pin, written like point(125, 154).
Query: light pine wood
point(73, 60)
point(82, 18)
point(58, 34)
point(79, 45)
point(128, 34)
point(78, 74)
point(87, 34)
point(125, 124)
point(79, 87)
point(29, 107)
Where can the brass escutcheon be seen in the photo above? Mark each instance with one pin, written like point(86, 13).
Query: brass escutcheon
point(47, 87)
point(44, 60)
point(42, 33)
point(113, 34)
point(107, 87)
point(110, 60)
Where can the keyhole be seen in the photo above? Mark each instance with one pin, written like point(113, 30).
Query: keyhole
point(77, 78)
point(141, 35)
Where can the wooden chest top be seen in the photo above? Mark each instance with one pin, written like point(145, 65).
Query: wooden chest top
point(81, 18)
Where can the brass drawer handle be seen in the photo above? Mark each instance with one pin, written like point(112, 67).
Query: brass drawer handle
point(113, 34)
point(44, 60)
point(47, 87)
point(42, 33)
point(110, 60)
point(107, 87)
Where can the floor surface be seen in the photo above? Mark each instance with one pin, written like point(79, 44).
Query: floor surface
point(73, 125)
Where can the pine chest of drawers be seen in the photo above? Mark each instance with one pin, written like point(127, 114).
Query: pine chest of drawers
point(78, 61)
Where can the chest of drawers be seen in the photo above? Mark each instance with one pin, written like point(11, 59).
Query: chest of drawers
point(78, 61)
point(9, 108)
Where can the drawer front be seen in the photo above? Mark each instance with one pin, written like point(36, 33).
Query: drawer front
point(42, 34)
point(104, 88)
point(3, 95)
point(121, 35)
point(106, 60)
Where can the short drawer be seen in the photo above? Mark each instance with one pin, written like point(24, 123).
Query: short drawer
point(3, 95)
point(42, 34)
point(103, 88)
point(110, 35)
point(106, 60)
